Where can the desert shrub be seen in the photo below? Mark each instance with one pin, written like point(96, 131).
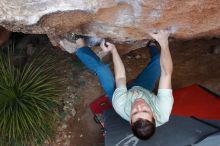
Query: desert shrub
point(28, 98)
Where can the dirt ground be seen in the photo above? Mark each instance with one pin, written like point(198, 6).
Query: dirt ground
point(195, 61)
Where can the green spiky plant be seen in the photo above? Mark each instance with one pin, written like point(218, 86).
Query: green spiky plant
point(28, 99)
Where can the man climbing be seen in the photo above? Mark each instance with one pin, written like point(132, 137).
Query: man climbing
point(136, 103)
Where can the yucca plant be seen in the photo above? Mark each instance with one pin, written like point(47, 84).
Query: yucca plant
point(28, 99)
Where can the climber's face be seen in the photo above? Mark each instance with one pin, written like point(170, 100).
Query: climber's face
point(141, 110)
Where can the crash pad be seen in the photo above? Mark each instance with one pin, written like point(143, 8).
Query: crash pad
point(197, 102)
point(181, 131)
point(100, 104)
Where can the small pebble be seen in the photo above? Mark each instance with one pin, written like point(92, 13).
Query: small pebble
point(129, 57)
point(64, 126)
point(73, 112)
point(138, 56)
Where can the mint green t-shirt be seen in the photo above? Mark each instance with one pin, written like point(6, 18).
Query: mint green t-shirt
point(161, 105)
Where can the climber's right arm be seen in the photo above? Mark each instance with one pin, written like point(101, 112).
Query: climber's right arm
point(119, 69)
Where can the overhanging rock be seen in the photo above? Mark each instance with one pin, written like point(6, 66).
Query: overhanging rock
point(120, 20)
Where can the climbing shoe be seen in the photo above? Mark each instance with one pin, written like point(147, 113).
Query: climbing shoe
point(153, 43)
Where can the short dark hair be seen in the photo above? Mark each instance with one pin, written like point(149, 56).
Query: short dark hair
point(143, 129)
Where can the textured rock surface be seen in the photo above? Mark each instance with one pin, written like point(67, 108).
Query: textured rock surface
point(120, 20)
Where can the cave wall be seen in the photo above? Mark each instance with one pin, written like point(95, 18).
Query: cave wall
point(4, 35)
point(124, 21)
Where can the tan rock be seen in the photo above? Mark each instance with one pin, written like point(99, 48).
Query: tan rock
point(121, 20)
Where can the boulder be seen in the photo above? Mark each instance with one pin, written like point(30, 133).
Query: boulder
point(124, 21)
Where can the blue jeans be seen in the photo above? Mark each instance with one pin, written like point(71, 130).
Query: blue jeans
point(147, 78)
point(103, 71)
